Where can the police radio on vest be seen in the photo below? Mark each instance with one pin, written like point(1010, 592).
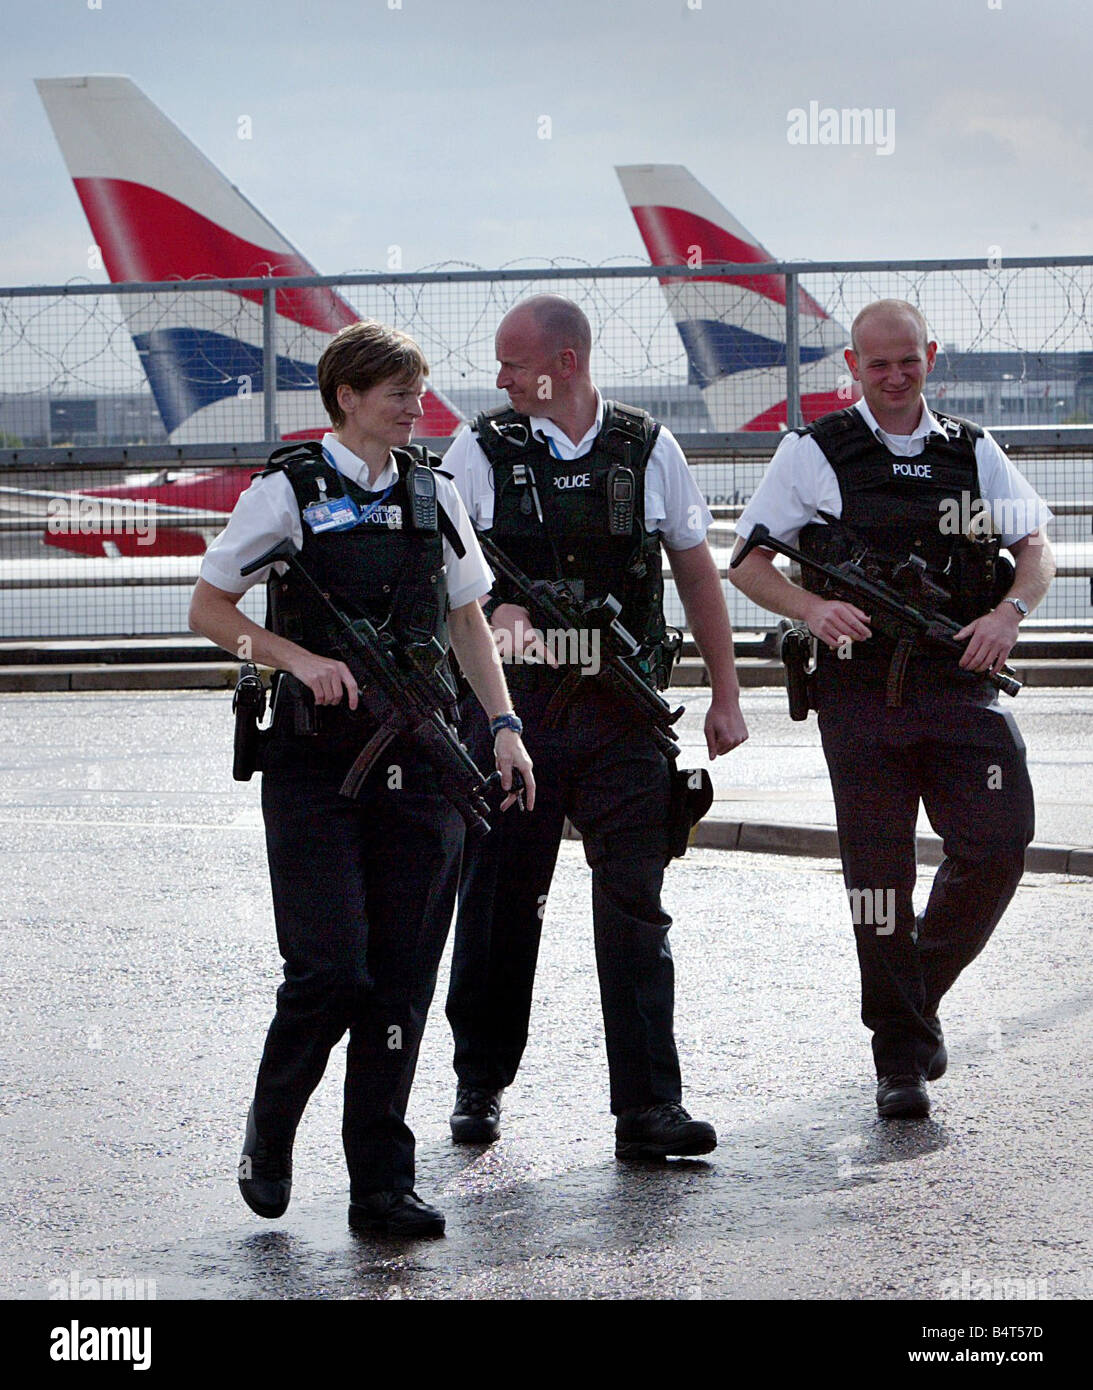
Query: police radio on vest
point(911, 470)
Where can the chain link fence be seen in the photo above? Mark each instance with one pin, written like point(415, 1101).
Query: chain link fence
point(177, 391)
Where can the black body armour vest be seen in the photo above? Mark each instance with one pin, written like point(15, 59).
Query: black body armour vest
point(896, 507)
point(386, 568)
point(554, 518)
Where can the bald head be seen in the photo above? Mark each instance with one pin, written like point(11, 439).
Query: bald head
point(885, 314)
point(559, 323)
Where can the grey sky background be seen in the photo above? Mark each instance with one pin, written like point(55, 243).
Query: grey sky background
point(418, 126)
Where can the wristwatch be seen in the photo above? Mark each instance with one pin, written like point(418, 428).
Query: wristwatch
point(1019, 604)
point(506, 721)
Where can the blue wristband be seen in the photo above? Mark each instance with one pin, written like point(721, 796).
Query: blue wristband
point(506, 721)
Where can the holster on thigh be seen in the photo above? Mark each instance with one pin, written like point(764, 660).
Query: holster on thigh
point(691, 798)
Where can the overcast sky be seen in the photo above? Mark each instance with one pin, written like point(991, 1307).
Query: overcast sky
point(418, 125)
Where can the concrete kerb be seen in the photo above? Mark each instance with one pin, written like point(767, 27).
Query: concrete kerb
point(757, 837)
point(822, 842)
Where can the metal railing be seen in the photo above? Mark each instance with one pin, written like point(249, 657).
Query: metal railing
point(1029, 315)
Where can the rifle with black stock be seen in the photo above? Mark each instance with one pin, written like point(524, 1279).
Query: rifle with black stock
point(397, 692)
point(893, 613)
point(552, 605)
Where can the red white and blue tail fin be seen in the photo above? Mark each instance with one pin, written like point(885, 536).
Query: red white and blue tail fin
point(159, 210)
point(733, 327)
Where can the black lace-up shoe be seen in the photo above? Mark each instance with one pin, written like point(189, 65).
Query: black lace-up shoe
point(940, 1060)
point(662, 1130)
point(265, 1173)
point(476, 1118)
point(395, 1214)
point(903, 1096)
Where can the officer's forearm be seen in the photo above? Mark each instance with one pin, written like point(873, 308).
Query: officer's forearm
point(758, 579)
point(1034, 563)
point(699, 586)
point(473, 646)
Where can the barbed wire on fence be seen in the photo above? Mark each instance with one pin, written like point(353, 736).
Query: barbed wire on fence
point(56, 345)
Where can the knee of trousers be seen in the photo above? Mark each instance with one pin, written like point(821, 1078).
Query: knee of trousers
point(333, 987)
point(632, 847)
point(628, 869)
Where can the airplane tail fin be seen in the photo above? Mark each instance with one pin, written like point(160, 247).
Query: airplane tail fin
point(732, 326)
point(160, 210)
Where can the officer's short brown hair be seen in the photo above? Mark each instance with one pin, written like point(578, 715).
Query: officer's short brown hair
point(362, 355)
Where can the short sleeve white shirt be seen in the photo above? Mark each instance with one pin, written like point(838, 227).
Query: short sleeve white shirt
point(267, 512)
point(673, 504)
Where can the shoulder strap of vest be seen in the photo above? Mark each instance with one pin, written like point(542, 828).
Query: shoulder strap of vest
point(839, 426)
point(955, 427)
point(417, 456)
point(502, 433)
point(288, 456)
point(303, 464)
point(629, 433)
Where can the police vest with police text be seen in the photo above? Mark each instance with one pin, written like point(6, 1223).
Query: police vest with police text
point(385, 568)
point(551, 516)
point(895, 505)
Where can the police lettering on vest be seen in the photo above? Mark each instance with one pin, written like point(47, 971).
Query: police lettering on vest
point(383, 568)
point(555, 522)
point(894, 506)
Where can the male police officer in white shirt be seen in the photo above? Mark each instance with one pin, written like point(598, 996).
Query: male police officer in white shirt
point(900, 725)
point(544, 478)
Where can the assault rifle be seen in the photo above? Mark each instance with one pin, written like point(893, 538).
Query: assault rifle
point(400, 695)
point(553, 605)
point(890, 609)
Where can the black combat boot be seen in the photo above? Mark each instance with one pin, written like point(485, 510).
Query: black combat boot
point(265, 1173)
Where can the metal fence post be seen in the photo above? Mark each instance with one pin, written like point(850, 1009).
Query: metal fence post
point(793, 355)
point(269, 364)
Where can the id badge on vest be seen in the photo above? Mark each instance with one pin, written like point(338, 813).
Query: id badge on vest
point(332, 514)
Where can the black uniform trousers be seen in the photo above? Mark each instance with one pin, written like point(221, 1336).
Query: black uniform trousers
point(599, 767)
point(952, 746)
point(363, 894)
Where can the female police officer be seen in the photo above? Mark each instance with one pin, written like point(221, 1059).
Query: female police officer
point(363, 889)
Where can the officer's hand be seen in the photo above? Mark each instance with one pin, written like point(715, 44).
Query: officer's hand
point(523, 641)
point(834, 622)
point(725, 728)
point(508, 753)
point(328, 680)
point(991, 638)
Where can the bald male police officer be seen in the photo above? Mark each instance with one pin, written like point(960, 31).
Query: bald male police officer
point(542, 478)
point(899, 725)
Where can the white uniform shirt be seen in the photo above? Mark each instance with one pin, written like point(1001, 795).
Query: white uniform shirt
point(673, 504)
point(268, 512)
point(799, 482)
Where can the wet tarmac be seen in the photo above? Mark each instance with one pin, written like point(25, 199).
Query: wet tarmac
point(140, 971)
